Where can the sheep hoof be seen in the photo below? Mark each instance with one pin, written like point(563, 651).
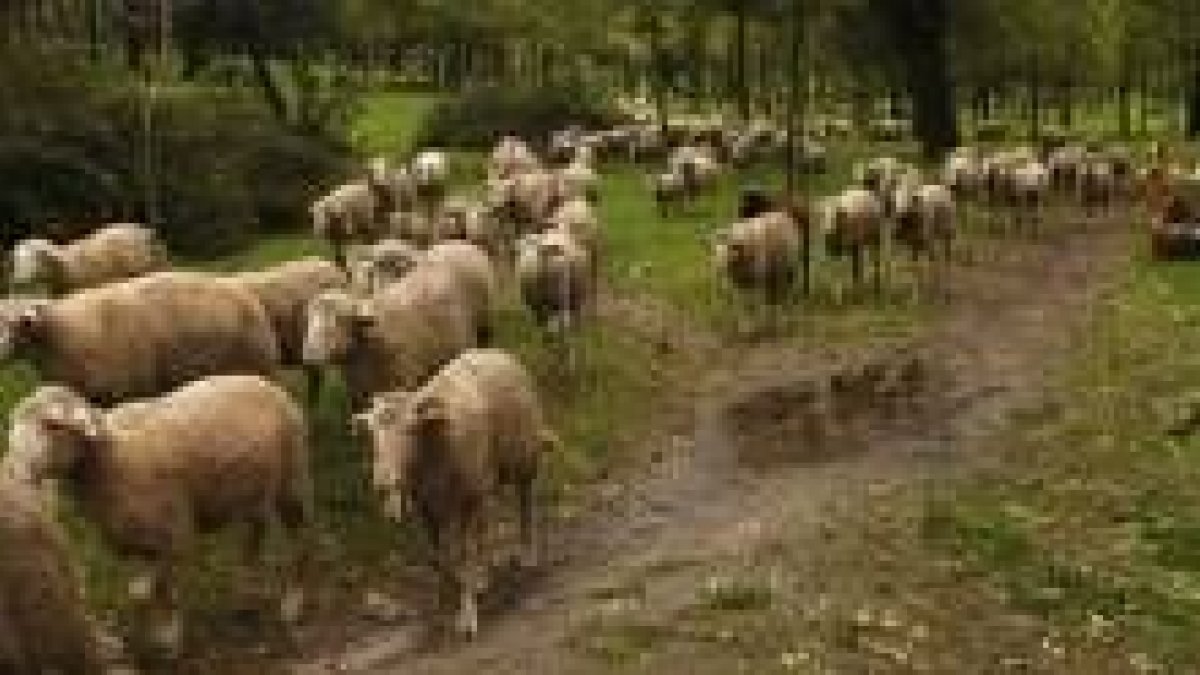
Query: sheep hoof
point(467, 622)
point(291, 608)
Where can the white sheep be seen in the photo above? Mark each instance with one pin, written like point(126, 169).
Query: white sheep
point(396, 338)
point(155, 473)
point(112, 253)
point(349, 214)
point(448, 449)
point(142, 337)
point(557, 276)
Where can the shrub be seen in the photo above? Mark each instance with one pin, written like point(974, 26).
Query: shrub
point(477, 117)
point(73, 153)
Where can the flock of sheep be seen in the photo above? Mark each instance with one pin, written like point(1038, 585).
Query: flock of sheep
point(161, 416)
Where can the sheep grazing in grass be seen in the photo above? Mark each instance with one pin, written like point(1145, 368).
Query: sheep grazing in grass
point(142, 337)
point(963, 172)
point(926, 219)
point(760, 254)
point(394, 188)
point(112, 253)
point(512, 157)
point(396, 338)
point(557, 277)
point(853, 226)
point(443, 453)
point(44, 626)
point(351, 214)
point(155, 473)
point(523, 202)
point(1030, 184)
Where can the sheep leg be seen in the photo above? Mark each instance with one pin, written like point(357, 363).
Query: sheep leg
point(167, 630)
point(878, 255)
point(312, 386)
point(466, 570)
point(530, 532)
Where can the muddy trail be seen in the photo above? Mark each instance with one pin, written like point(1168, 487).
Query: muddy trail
point(774, 430)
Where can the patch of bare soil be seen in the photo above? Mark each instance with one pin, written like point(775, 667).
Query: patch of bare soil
point(774, 430)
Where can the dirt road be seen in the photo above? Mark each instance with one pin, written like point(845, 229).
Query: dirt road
point(779, 432)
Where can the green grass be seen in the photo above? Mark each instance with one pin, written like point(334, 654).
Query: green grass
point(602, 405)
point(389, 123)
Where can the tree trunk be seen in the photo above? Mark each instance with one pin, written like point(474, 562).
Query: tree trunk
point(920, 31)
point(271, 90)
point(741, 86)
point(1193, 100)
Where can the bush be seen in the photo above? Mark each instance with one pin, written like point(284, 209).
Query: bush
point(73, 153)
point(476, 118)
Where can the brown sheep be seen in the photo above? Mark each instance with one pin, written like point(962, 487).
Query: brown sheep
point(465, 220)
point(475, 274)
point(396, 338)
point(761, 254)
point(557, 277)
point(447, 450)
point(853, 226)
point(352, 213)
point(142, 337)
point(113, 253)
point(44, 626)
point(153, 474)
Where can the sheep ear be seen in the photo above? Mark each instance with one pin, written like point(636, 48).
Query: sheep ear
point(31, 317)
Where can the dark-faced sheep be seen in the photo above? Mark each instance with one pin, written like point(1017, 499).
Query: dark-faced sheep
point(396, 338)
point(348, 215)
point(447, 450)
point(44, 626)
point(760, 254)
point(113, 253)
point(142, 337)
point(155, 473)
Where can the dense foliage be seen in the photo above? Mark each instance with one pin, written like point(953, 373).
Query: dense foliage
point(475, 118)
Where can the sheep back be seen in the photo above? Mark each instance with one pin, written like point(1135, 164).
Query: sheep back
point(219, 450)
point(149, 335)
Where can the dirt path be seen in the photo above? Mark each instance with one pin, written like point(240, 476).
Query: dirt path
point(786, 431)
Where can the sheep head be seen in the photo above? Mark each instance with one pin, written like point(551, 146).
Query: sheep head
point(51, 430)
point(36, 261)
point(334, 321)
point(22, 325)
point(393, 424)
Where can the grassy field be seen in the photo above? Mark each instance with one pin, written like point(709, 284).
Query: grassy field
point(623, 372)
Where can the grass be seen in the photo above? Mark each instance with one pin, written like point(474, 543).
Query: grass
point(601, 406)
